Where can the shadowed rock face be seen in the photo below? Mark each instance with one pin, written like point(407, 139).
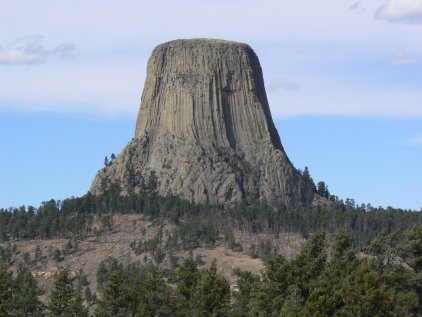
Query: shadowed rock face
point(204, 130)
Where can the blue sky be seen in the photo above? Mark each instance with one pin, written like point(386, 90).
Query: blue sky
point(343, 80)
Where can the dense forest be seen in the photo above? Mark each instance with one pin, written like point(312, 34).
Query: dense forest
point(73, 218)
point(327, 278)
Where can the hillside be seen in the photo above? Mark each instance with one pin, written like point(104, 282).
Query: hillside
point(93, 236)
point(120, 241)
point(129, 265)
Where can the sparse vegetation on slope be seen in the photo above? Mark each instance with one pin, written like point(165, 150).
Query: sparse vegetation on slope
point(327, 278)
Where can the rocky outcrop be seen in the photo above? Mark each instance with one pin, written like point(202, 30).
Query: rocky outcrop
point(205, 132)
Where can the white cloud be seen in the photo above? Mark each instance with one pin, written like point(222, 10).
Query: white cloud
point(405, 58)
point(323, 45)
point(402, 104)
point(101, 87)
point(29, 50)
point(277, 84)
point(357, 7)
point(406, 11)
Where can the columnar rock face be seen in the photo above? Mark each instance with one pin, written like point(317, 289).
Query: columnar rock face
point(204, 131)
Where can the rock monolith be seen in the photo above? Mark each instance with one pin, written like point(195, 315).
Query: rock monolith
point(204, 131)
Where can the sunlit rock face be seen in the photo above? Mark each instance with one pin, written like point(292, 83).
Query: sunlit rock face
point(204, 131)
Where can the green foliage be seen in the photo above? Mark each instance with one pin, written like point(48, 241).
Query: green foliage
point(309, 264)
point(247, 285)
point(322, 190)
point(25, 297)
point(119, 295)
point(308, 179)
point(6, 291)
point(212, 294)
point(105, 269)
point(365, 292)
point(158, 298)
point(37, 253)
point(201, 224)
point(6, 255)
point(187, 277)
point(57, 255)
point(76, 308)
point(415, 247)
point(63, 300)
point(326, 278)
point(89, 297)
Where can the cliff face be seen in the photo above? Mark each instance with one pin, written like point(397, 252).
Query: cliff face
point(204, 130)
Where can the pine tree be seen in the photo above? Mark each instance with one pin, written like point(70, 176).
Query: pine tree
point(309, 264)
point(322, 190)
point(76, 308)
point(119, 296)
point(268, 295)
point(26, 301)
point(366, 293)
point(187, 277)
point(158, 299)
point(212, 294)
point(246, 283)
point(6, 298)
point(308, 179)
point(62, 294)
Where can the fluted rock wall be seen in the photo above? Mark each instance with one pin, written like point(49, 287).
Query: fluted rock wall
point(204, 130)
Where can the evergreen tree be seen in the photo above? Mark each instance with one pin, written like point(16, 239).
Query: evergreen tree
point(62, 294)
point(246, 283)
point(212, 294)
point(119, 296)
point(415, 247)
point(187, 277)
point(158, 299)
point(26, 300)
point(89, 297)
point(308, 179)
point(268, 295)
point(366, 293)
point(6, 288)
point(325, 297)
point(309, 264)
point(322, 190)
point(76, 308)
point(293, 305)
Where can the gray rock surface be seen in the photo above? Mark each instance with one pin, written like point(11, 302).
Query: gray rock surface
point(204, 131)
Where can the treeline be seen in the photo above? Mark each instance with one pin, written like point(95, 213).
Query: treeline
point(327, 278)
point(73, 217)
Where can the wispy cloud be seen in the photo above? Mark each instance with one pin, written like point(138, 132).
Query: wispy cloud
point(417, 140)
point(404, 11)
point(357, 7)
point(405, 58)
point(30, 50)
point(282, 84)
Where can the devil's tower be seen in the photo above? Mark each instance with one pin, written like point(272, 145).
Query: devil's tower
point(204, 131)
